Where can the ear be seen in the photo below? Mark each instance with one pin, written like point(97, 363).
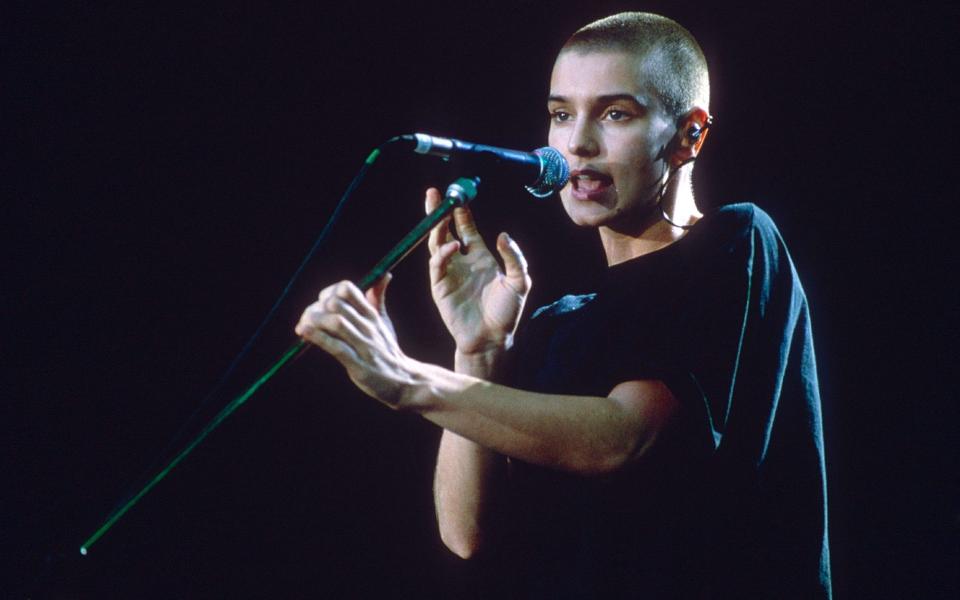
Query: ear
point(691, 133)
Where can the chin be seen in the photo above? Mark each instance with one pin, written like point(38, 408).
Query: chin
point(592, 217)
point(594, 221)
point(587, 214)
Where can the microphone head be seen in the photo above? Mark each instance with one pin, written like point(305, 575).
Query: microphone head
point(554, 172)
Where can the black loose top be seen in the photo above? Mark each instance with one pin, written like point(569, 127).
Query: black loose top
point(731, 500)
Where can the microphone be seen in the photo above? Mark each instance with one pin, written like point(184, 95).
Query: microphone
point(544, 170)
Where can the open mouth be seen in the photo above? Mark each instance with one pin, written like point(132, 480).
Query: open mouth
point(588, 184)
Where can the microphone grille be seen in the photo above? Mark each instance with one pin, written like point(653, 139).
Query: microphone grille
point(554, 172)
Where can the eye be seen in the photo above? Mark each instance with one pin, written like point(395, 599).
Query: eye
point(615, 114)
point(560, 116)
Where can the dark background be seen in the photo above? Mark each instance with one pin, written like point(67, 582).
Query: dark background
point(166, 168)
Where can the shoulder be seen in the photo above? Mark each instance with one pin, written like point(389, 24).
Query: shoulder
point(743, 218)
point(740, 240)
point(740, 225)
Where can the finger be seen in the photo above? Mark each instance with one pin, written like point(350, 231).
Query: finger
point(343, 324)
point(359, 330)
point(377, 295)
point(350, 294)
point(432, 200)
point(303, 326)
point(441, 260)
point(326, 293)
point(439, 235)
point(466, 227)
point(337, 348)
point(514, 264)
point(335, 313)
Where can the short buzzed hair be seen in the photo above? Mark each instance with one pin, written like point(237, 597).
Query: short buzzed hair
point(676, 65)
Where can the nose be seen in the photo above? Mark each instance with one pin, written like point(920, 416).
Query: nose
point(583, 141)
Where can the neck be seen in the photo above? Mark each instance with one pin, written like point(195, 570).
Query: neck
point(654, 232)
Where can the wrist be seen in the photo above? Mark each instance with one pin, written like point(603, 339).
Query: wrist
point(430, 387)
point(481, 363)
point(416, 394)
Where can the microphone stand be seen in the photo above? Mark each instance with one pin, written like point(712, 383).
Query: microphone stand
point(459, 193)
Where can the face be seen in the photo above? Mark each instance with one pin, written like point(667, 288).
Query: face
point(613, 131)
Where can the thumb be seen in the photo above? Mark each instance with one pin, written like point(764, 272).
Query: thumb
point(377, 294)
point(514, 264)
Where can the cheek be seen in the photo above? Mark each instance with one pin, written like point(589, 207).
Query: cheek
point(554, 139)
point(635, 145)
point(639, 165)
point(636, 153)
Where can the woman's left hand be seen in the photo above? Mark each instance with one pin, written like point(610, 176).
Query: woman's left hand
point(356, 330)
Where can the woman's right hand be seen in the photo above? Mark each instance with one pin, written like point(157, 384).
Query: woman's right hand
point(479, 303)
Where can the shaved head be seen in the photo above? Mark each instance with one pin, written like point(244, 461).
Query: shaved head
point(673, 62)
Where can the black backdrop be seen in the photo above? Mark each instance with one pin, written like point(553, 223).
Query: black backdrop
point(167, 167)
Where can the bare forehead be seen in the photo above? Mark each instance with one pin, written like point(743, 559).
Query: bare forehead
point(582, 74)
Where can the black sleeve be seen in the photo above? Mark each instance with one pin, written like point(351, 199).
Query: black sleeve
point(757, 373)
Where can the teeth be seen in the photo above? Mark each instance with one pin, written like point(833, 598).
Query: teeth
point(589, 178)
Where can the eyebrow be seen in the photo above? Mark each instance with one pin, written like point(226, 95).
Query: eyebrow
point(605, 99)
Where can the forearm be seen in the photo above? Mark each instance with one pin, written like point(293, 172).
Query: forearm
point(465, 487)
point(574, 433)
point(467, 474)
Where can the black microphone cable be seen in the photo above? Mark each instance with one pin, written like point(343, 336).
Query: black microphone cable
point(127, 501)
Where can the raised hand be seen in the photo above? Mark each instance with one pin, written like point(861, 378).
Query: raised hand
point(479, 303)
